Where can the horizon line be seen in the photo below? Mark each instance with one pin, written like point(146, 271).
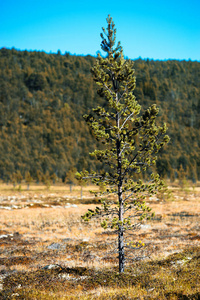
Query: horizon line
point(84, 55)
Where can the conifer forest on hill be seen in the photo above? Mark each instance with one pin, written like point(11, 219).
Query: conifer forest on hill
point(44, 96)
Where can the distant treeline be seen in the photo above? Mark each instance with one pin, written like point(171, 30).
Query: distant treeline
point(44, 96)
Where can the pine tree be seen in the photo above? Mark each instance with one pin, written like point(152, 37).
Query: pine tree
point(70, 178)
point(28, 179)
point(131, 141)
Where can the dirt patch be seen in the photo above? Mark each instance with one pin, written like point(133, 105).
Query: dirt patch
point(16, 260)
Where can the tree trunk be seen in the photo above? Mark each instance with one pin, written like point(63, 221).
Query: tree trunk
point(121, 209)
point(120, 198)
point(121, 239)
point(81, 192)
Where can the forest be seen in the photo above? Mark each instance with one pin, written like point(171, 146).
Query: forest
point(43, 98)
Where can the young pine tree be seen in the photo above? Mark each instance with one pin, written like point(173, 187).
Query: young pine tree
point(131, 141)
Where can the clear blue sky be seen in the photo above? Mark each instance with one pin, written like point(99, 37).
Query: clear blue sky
point(158, 29)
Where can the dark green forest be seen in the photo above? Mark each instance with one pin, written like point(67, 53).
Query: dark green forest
point(44, 96)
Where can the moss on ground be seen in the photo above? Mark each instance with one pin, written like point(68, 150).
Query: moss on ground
point(175, 277)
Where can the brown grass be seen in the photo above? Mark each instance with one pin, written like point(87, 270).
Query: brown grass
point(40, 227)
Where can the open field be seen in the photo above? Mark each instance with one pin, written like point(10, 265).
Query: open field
point(48, 252)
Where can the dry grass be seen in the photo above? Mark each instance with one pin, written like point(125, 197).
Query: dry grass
point(41, 227)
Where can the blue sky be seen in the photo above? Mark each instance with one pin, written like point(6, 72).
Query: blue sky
point(147, 29)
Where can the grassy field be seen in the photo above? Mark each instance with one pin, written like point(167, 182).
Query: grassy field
point(48, 252)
